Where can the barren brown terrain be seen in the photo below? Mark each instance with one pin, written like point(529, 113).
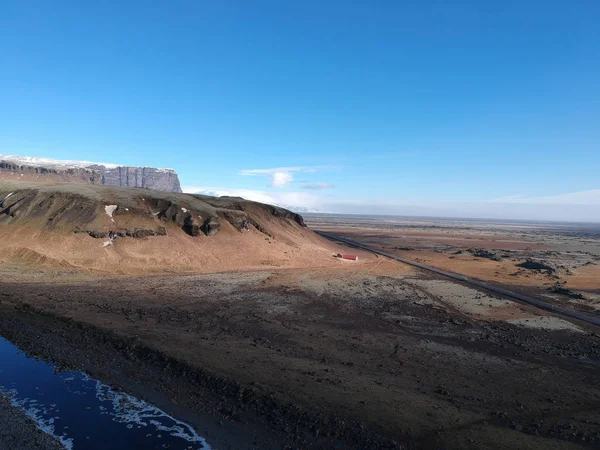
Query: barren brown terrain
point(305, 350)
point(145, 231)
point(490, 251)
point(374, 355)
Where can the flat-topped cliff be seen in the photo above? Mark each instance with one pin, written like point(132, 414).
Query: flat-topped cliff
point(25, 168)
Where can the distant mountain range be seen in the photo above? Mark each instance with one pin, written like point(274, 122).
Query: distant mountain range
point(27, 168)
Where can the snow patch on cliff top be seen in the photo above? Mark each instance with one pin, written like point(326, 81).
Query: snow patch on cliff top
point(61, 164)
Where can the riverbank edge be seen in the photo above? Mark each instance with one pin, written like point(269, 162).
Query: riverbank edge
point(246, 414)
point(19, 432)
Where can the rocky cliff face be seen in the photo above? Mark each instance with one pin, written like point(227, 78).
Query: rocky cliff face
point(146, 177)
point(24, 168)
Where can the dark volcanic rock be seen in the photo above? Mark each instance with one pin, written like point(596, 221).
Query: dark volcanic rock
point(211, 226)
point(235, 218)
point(141, 232)
point(299, 219)
point(134, 232)
point(536, 265)
point(239, 204)
point(192, 226)
point(562, 290)
point(483, 253)
point(95, 234)
point(286, 214)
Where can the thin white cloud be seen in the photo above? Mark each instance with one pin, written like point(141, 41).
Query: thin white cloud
point(248, 194)
point(591, 197)
point(317, 186)
point(281, 177)
point(514, 207)
point(296, 201)
point(251, 172)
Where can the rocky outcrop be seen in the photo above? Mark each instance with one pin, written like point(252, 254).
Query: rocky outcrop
point(192, 226)
point(211, 226)
point(134, 232)
point(538, 266)
point(237, 206)
point(41, 169)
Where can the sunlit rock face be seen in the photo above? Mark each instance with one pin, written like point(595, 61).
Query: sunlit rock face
point(26, 168)
point(145, 177)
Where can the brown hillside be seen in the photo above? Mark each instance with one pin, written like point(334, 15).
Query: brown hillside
point(125, 230)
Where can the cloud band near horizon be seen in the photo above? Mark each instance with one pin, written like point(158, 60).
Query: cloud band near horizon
point(282, 177)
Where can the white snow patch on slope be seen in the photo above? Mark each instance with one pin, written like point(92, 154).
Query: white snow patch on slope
point(184, 210)
point(110, 209)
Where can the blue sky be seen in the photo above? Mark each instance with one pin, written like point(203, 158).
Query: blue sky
point(430, 107)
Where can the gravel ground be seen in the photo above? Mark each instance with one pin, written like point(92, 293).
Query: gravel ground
point(19, 432)
point(382, 360)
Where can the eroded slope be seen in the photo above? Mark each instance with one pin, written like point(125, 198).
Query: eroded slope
point(118, 229)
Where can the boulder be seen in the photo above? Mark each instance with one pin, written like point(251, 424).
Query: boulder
point(192, 226)
point(211, 226)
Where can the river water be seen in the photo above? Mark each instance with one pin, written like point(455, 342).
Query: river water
point(85, 413)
